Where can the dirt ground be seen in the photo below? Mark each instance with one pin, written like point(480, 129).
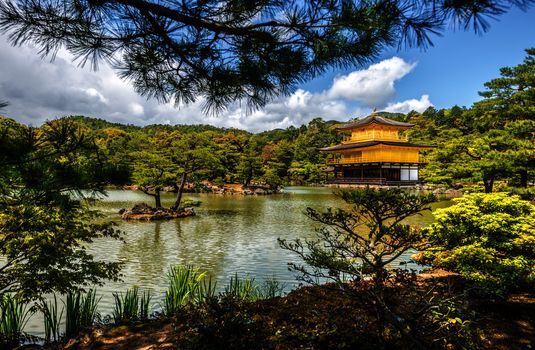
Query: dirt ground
point(311, 318)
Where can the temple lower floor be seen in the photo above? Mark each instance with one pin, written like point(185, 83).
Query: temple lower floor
point(376, 173)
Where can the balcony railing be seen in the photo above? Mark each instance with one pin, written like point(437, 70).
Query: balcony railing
point(371, 181)
point(387, 159)
point(364, 138)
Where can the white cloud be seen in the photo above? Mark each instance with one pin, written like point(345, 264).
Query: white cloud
point(136, 109)
point(299, 99)
point(373, 86)
point(94, 93)
point(410, 105)
point(38, 90)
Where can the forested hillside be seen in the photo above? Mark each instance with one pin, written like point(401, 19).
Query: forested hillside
point(490, 144)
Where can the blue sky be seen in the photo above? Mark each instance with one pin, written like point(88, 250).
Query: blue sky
point(449, 73)
point(460, 62)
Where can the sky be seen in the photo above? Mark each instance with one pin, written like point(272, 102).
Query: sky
point(447, 74)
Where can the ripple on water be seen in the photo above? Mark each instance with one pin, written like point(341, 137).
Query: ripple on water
point(230, 234)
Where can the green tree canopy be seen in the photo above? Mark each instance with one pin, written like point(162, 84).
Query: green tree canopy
point(361, 239)
point(488, 238)
point(493, 140)
point(153, 168)
point(233, 49)
point(46, 176)
point(192, 153)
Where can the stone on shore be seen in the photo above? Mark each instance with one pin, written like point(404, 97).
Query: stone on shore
point(142, 211)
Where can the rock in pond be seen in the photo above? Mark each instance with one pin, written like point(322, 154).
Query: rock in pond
point(142, 211)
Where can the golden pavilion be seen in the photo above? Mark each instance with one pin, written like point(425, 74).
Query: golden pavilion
point(376, 152)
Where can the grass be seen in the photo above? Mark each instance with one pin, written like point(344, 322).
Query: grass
point(131, 306)
point(206, 290)
point(144, 305)
point(186, 285)
point(81, 312)
point(183, 287)
point(14, 316)
point(52, 319)
point(243, 289)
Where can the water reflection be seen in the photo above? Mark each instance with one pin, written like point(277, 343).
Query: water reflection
point(230, 234)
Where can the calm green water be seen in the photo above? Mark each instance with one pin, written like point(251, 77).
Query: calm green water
point(230, 234)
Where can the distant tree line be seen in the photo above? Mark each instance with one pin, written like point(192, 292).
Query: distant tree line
point(492, 141)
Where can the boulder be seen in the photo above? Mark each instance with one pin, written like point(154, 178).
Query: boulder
point(259, 191)
point(453, 193)
point(142, 211)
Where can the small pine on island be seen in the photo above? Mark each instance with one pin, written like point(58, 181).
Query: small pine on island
point(375, 152)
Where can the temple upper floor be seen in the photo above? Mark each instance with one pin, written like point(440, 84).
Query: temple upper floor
point(374, 133)
point(375, 128)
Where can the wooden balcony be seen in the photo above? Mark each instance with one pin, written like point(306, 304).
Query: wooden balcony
point(387, 159)
point(365, 138)
point(371, 181)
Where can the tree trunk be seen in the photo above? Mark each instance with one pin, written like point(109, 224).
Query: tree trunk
point(156, 195)
point(180, 190)
point(248, 179)
point(489, 184)
point(524, 178)
point(157, 198)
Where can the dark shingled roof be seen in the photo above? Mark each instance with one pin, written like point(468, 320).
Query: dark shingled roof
point(357, 145)
point(374, 118)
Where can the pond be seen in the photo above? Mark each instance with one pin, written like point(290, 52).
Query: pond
point(231, 234)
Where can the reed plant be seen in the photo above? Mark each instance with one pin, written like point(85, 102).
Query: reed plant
point(183, 286)
point(14, 316)
point(52, 319)
point(272, 288)
point(132, 306)
point(144, 305)
point(206, 290)
point(245, 289)
point(81, 311)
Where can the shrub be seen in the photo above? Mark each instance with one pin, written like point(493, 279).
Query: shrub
point(362, 239)
point(488, 238)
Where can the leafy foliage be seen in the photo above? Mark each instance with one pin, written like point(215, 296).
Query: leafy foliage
point(46, 175)
point(153, 157)
point(226, 51)
point(242, 289)
point(362, 239)
point(488, 238)
point(491, 141)
point(184, 283)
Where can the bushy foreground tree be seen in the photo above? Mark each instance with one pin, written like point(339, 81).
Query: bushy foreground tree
point(361, 239)
point(46, 174)
point(231, 50)
point(354, 246)
point(488, 238)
